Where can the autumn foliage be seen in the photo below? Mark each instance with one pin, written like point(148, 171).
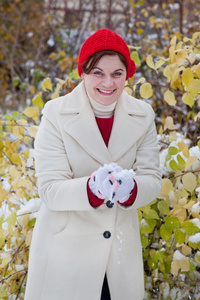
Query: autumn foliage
point(170, 225)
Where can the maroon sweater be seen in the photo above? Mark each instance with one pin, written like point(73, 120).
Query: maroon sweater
point(105, 127)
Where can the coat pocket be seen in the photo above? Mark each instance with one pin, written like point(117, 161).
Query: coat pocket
point(62, 220)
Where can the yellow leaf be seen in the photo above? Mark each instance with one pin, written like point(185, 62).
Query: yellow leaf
point(18, 131)
point(3, 193)
point(28, 238)
point(22, 122)
point(13, 172)
point(187, 77)
point(47, 84)
point(170, 98)
point(189, 182)
point(141, 80)
point(146, 90)
point(180, 55)
point(32, 89)
point(12, 219)
point(26, 154)
point(16, 158)
point(166, 188)
point(128, 90)
point(197, 70)
point(182, 264)
point(186, 249)
point(33, 130)
point(169, 124)
point(140, 31)
point(194, 87)
point(37, 100)
point(190, 161)
point(150, 62)
point(181, 146)
point(5, 261)
point(192, 57)
point(197, 117)
point(186, 152)
point(32, 112)
point(188, 99)
point(173, 41)
point(159, 63)
point(167, 72)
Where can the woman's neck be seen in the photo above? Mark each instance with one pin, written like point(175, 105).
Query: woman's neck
point(102, 111)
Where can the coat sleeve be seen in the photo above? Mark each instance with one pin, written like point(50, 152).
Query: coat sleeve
point(57, 187)
point(146, 166)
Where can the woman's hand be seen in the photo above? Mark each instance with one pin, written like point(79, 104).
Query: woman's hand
point(102, 181)
point(123, 186)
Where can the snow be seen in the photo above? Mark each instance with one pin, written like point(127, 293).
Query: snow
point(194, 238)
point(178, 255)
point(196, 222)
point(32, 206)
point(196, 208)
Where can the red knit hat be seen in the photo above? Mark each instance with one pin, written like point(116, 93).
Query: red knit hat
point(104, 39)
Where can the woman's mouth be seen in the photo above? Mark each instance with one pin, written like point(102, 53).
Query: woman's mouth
point(105, 92)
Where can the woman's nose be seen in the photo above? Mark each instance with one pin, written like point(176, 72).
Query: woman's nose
point(107, 81)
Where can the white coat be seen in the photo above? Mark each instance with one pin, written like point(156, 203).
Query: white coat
point(73, 244)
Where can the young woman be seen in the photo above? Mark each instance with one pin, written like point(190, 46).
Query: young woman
point(96, 162)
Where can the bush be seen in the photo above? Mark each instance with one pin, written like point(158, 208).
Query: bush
point(170, 225)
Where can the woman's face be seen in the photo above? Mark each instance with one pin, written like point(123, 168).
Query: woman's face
point(106, 81)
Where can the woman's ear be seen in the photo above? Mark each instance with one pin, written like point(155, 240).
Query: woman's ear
point(82, 75)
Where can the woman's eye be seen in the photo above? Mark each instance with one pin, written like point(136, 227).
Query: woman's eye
point(117, 74)
point(97, 73)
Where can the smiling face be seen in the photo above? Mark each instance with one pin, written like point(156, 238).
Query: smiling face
point(106, 80)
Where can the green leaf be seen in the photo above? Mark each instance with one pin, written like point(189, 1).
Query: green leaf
point(172, 150)
point(181, 161)
point(152, 214)
point(37, 100)
point(189, 228)
point(192, 265)
point(31, 223)
point(173, 165)
point(147, 225)
point(165, 232)
point(163, 207)
point(135, 58)
point(12, 219)
point(158, 256)
point(179, 236)
point(172, 223)
point(144, 240)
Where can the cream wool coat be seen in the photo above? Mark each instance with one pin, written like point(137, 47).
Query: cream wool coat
point(69, 254)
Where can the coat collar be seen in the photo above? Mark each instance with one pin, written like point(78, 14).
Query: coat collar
point(83, 128)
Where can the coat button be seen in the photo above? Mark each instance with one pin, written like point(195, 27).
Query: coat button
point(107, 234)
point(109, 204)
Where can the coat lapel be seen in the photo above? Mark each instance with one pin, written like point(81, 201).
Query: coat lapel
point(127, 127)
point(81, 125)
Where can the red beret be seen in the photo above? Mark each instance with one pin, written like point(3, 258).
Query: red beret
point(104, 39)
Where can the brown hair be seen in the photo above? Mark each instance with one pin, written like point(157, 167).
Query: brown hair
point(92, 61)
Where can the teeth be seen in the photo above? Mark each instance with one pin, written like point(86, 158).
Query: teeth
point(106, 92)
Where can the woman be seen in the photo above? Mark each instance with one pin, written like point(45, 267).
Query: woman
point(96, 163)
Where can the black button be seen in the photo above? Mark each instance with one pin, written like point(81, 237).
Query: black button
point(109, 204)
point(107, 234)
